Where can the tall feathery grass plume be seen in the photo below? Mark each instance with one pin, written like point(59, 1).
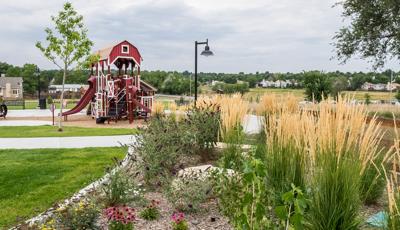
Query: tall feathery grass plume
point(392, 183)
point(209, 102)
point(233, 109)
point(286, 150)
point(343, 127)
point(173, 111)
point(329, 147)
point(272, 103)
point(158, 109)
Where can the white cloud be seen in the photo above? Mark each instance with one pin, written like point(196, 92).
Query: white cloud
point(246, 35)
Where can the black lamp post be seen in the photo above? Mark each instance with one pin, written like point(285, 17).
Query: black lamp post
point(206, 52)
point(37, 74)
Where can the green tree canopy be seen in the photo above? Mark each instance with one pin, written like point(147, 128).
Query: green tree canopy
point(373, 32)
point(67, 44)
point(317, 85)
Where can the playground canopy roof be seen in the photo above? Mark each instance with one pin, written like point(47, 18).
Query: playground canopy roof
point(122, 50)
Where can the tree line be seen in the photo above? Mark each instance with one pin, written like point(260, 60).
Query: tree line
point(173, 82)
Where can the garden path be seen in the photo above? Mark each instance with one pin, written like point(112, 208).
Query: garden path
point(35, 113)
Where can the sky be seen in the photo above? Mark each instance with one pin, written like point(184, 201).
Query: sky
point(245, 35)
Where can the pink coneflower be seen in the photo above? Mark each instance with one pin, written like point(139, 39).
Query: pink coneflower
point(122, 214)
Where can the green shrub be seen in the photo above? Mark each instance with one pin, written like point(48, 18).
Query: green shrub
point(163, 144)
point(243, 197)
point(167, 141)
point(82, 215)
point(293, 209)
point(204, 123)
point(186, 194)
point(121, 190)
point(335, 199)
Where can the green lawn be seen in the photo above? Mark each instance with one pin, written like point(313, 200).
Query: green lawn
point(359, 95)
point(31, 181)
point(32, 104)
point(68, 131)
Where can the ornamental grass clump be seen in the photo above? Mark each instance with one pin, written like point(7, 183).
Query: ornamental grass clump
point(233, 110)
point(273, 104)
point(341, 149)
point(393, 185)
point(331, 151)
point(285, 151)
point(157, 109)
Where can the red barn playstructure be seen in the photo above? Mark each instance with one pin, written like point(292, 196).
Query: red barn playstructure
point(114, 96)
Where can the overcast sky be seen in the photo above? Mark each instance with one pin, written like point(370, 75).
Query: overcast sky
point(245, 35)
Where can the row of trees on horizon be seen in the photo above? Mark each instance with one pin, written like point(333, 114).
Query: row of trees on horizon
point(174, 82)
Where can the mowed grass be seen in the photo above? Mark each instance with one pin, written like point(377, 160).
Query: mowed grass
point(31, 181)
point(33, 104)
point(68, 131)
point(358, 95)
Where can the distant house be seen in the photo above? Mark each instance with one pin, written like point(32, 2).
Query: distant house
point(377, 87)
point(392, 86)
point(275, 84)
point(67, 88)
point(213, 82)
point(265, 83)
point(367, 86)
point(11, 87)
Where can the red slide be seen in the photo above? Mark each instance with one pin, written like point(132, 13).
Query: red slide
point(137, 103)
point(87, 97)
point(133, 91)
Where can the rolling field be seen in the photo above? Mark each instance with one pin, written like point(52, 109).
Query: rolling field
point(358, 95)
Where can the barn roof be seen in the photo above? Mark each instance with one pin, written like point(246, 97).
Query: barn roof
point(147, 85)
point(105, 52)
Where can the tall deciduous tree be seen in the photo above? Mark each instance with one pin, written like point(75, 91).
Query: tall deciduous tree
point(68, 44)
point(317, 85)
point(373, 32)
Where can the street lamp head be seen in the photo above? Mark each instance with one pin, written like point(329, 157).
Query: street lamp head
point(207, 52)
point(37, 71)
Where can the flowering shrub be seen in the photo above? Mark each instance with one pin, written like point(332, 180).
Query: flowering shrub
point(179, 222)
point(120, 217)
point(151, 211)
point(161, 148)
point(82, 215)
point(121, 190)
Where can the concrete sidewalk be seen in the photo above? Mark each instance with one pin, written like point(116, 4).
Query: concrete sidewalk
point(65, 142)
point(24, 123)
point(37, 113)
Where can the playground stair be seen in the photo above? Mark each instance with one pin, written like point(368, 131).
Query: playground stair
point(117, 110)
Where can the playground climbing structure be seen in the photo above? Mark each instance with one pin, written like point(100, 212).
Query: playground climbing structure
point(119, 93)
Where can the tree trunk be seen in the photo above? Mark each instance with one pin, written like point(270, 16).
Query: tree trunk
point(62, 100)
